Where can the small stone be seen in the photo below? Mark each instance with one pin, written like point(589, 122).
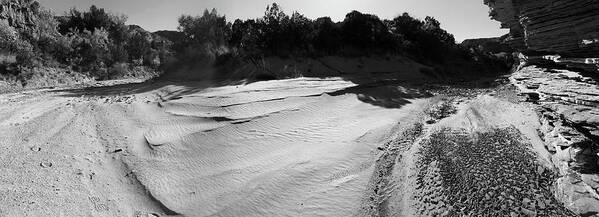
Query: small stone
point(579, 189)
point(573, 178)
point(528, 212)
point(590, 180)
point(45, 164)
point(541, 204)
point(586, 205)
point(540, 170)
point(35, 149)
point(533, 86)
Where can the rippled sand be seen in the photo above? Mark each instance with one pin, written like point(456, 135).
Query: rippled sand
point(298, 147)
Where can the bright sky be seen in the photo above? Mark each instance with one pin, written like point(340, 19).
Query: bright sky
point(463, 18)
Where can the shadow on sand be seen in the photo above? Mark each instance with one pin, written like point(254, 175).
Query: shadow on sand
point(383, 89)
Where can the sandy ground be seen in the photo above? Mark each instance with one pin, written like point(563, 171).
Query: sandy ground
point(298, 147)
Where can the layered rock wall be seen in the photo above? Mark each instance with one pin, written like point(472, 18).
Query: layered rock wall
point(560, 86)
point(568, 106)
point(566, 27)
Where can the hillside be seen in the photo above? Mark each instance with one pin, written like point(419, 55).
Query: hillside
point(39, 49)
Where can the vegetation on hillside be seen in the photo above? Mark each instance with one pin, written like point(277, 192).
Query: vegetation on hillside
point(94, 43)
point(279, 34)
point(100, 45)
point(211, 36)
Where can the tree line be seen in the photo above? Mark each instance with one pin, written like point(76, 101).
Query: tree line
point(102, 45)
point(94, 41)
point(279, 34)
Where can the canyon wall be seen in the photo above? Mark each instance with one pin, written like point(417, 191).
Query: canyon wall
point(559, 73)
point(569, 28)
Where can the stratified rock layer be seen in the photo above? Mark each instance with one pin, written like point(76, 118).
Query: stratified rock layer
point(568, 105)
point(566, 27)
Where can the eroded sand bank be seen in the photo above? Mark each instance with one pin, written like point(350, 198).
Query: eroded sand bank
point(299, 147)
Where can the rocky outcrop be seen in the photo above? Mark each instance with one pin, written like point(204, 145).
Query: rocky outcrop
point(568, 106)
point(559, 45)
point(487, 45)
point(565, 27)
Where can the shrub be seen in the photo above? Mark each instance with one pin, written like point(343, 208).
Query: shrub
point(139, 45)
point(441, 110)
point(364, 31)
point(92, 51)
point(327, 38)
point(119, 70)
point(210, 28)
point(77, 21)
point(8, 37)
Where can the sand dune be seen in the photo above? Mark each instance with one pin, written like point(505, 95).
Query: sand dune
point(274, 148)
point(294, 153)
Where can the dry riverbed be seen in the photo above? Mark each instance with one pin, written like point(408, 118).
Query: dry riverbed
point(297, 147)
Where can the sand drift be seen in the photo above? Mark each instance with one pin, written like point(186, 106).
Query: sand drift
point(298, 147)
point(275, 148)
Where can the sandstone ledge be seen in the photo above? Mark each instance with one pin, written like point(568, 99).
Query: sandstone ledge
point(568, 105)
point(566, 27)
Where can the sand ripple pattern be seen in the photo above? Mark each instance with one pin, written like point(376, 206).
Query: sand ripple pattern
point(277, 148)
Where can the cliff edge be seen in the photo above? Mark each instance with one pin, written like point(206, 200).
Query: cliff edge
point(558, 41)
point(564, 27)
